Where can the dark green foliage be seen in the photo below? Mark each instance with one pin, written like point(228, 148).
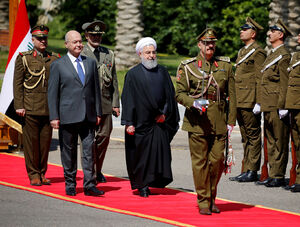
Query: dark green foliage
point(233, 16)
point(74, 13)
point(33, 11)
point(174, 24)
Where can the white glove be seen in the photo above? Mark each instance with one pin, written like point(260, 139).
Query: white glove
point(256, 109)
point(282, 113)
point(199, 103)
point(229, 129)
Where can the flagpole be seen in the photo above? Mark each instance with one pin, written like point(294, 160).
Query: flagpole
point(13, 10)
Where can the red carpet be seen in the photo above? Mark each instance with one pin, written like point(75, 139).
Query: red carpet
point(166, 205)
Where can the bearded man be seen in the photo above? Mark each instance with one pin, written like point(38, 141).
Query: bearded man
point(150, 115)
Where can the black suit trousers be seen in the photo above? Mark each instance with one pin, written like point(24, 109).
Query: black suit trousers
point(68, 139)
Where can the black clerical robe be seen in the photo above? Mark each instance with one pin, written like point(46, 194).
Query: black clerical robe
point(147, 94)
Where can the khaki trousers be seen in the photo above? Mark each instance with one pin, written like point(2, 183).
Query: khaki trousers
point(277, 133)
point(102, 136)
point(37, 134)
point(250, 129)
point(207, 155)
point(295, 115)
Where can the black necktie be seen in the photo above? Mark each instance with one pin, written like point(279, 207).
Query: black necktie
point(96, 52)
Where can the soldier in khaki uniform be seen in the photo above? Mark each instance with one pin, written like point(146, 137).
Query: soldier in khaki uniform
point(109, 87)
point(274, 85)
point(30, 101)
point(204, 84)
point(247, 80)
point(293, 104)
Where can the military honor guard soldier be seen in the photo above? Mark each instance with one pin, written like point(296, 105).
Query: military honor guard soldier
point(203, 86)
point(109, 89)
point(247, 80)
point(293, 104)
point(32, 70)
point(273, 87)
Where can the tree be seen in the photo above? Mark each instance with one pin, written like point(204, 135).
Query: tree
point(129, 31)
point(233, 16)
point(33, 11)
point(175, 24)
point(289, 12)
point(67, 17)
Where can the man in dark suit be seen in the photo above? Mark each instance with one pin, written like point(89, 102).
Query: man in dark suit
point(75, 109)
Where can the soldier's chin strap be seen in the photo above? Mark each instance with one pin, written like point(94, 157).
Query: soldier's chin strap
point(41, 75)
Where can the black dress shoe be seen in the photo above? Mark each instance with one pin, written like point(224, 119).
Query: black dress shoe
point(295, 188)
point(250, 176)
point(71, 191)
point(101, 178)
point(144, 192)
point(263, 182)
point(236, 178)
point(93, 191)
point(276, 182)
point(287, 187)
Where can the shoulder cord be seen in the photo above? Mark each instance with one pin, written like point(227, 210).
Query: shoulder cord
point(210, 78)
point(41, 74)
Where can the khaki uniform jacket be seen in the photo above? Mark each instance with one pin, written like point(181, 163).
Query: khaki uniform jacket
point(248, 75)
point(189, 83)
point(274, 81)
point(293, 91)
point(107, 77)
point(30, 84)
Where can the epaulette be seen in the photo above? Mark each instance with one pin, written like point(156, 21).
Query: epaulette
point(26, 52)
point(187, 61)
point(223, 58)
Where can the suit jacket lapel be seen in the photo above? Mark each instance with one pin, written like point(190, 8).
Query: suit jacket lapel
point(90, 53)
point(70, 65)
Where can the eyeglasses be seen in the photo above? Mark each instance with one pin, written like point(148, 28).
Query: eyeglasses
point(94, 35)
point(40, 39)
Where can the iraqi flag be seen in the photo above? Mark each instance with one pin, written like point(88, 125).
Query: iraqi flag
point(21, 41)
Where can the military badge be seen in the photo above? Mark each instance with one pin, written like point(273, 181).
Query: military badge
point(179, 74)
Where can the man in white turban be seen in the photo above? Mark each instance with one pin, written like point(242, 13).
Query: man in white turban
point(149, 61)
point(150, 116)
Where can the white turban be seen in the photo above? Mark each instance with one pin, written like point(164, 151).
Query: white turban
point(147, 41)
